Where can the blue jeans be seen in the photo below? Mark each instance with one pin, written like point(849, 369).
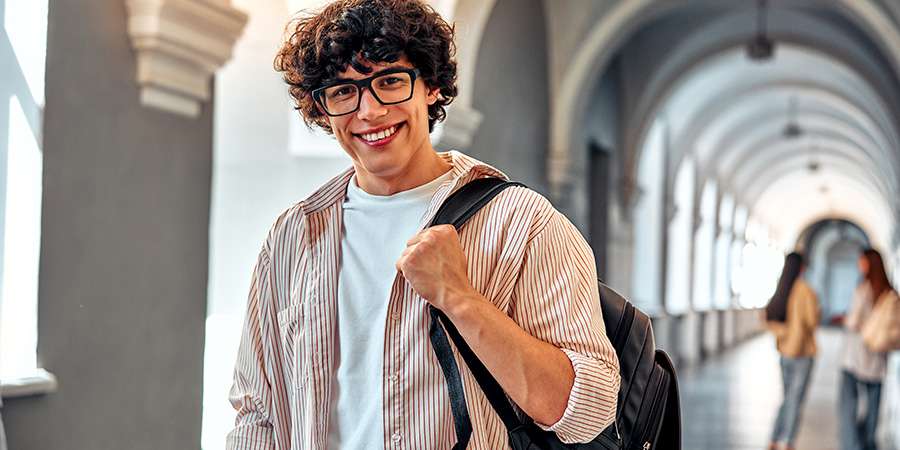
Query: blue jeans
point(796, 373)
point(856, 435)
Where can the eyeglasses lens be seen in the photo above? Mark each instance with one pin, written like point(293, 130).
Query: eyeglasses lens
point(388, 89)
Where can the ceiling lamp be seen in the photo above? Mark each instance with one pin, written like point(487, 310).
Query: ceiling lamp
point(792, 130)
point(813, 165)
point(761, 48)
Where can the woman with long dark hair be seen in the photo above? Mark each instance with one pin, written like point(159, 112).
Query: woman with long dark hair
point(862, 369)
point(793, 315)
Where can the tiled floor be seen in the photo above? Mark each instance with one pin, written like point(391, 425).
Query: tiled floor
point(730, 402)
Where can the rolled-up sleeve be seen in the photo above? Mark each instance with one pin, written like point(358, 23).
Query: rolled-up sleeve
point(557, 301)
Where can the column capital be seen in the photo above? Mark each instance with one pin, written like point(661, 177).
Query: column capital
point(179, 45)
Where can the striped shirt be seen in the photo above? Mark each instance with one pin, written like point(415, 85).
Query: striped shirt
point(523, 256)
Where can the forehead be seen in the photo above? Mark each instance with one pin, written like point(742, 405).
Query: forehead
point(350, 73)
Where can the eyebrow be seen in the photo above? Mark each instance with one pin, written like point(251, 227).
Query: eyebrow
point(373, 74)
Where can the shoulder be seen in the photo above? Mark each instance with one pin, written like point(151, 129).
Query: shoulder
point(524, 196)
point(532, 218)
point(286, 232)
point(863, 294)
point(803, 287)
point(525, 205)
point(890, 295)
point(317, 208)
point(290, 220)
point(807, 292)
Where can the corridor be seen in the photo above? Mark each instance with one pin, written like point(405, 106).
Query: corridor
point(730, 402)
point(147, 147)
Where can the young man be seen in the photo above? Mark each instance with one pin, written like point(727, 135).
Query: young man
point(335, 350)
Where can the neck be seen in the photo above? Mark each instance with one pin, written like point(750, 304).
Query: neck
point(404, 180)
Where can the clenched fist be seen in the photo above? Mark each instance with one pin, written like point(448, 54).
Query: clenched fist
point(434, 264)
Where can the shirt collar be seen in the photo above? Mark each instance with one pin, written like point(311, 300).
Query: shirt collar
point(465, 169)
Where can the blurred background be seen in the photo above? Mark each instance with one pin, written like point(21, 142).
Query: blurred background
point(146, 146)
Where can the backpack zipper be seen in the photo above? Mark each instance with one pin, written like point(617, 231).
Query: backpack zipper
point(660, 375)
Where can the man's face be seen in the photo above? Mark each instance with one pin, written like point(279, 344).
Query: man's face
point(387, 143)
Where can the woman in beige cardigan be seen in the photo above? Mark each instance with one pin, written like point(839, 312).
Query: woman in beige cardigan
point(793, 315)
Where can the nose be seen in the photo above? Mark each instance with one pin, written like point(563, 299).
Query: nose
point(369, 106)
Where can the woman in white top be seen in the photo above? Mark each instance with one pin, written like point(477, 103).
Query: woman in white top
point(861, 369)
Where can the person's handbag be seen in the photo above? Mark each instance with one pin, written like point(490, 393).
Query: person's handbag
point(881, 331)
point(648, 408)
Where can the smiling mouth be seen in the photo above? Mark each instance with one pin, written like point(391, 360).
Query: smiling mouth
point(372, 137)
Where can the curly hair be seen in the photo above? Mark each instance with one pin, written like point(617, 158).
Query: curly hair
point(347, 32)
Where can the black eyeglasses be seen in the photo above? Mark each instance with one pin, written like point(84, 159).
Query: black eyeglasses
point(389, 88)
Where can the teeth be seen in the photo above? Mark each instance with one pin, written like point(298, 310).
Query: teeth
point(379, 135)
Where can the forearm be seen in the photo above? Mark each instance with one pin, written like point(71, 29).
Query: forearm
point(535, 374)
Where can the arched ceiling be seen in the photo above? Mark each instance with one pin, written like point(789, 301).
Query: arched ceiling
point(829, 78)
point(843, 163)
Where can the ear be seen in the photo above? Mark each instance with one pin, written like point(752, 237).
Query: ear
point(432, 95)
point(324, 118)
point(322, 123)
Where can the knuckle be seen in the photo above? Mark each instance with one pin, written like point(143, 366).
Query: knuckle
point(443, 231)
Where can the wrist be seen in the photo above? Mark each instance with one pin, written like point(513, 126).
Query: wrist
point(460, 306)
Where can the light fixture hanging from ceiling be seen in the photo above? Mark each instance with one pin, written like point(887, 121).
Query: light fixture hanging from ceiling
point(813, 165)
point(792, 130)
point(761, 48)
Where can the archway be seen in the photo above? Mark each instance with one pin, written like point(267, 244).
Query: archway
point(832, 248)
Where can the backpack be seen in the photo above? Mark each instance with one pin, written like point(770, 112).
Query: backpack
point(648, 413)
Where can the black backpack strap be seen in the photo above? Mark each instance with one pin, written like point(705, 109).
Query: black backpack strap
point(456, 210)
point(486, 381)
point(441, 346)
point(467, 200)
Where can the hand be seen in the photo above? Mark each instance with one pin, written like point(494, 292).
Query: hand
point(434, 264)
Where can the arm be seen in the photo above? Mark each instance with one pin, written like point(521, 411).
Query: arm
point(253, 390)
point(550, 353)
point(434, 264)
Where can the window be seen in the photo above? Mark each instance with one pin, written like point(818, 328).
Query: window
point(678, 289)
point(21, 102)
point(648, 222)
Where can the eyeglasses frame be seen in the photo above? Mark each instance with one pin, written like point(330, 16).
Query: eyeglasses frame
point(319, 93)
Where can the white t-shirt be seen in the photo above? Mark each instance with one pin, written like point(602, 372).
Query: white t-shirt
point(374, 235)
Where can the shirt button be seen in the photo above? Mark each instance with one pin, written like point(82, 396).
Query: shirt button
point(395, 316)
point(396, 437)
point(393, 377)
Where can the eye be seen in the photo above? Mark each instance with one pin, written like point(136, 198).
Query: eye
point(341, 92)
point(392, 81)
